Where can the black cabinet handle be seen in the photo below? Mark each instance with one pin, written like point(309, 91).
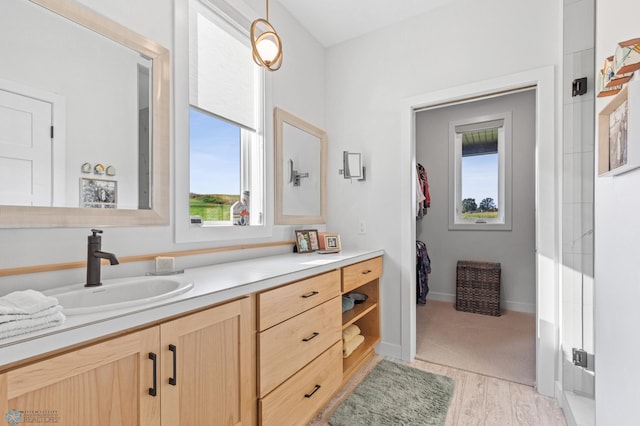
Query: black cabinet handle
point(310, 394)
point(313, 336)
point(368, 271)
point(154, 390)
point(174, 380)
point(308, 295)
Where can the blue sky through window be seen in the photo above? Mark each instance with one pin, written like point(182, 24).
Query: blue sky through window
point(480, 177)
point(214, 155)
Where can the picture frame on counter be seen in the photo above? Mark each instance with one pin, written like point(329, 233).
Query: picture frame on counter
point(330, 242)
point(307, 240)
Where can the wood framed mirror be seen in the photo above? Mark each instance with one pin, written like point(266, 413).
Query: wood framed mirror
point(300, 166)
point(106, 64)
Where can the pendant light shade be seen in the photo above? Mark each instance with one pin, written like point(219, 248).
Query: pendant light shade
point(265, 44)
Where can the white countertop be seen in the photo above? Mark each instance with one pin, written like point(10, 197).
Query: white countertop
point(212, 284)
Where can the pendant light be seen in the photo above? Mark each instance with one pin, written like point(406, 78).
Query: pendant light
point(265, 44)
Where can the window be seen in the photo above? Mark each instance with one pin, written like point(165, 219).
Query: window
point(480, 184)
point(225, 119)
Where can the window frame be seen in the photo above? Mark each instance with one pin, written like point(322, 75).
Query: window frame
point(184, 230)
point(503, 222)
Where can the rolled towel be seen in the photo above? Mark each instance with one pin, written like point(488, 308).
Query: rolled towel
point(25, 302)
point(347, 303)
point(351, 345)
point(27, 325)
point(349, 332)
point(17, 317)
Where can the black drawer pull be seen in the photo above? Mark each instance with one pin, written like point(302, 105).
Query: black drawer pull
point(313, 336)
point(310, 394)
point(368, 271)
point(308, 295)
point(174, 380)
point(154, 390)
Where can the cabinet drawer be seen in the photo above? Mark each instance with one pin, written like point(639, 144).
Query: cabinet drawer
point(280, 304)
point(289, 346)
point(295, 402)
point(353, 276)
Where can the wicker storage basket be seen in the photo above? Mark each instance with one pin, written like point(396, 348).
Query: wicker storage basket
point(478, 287)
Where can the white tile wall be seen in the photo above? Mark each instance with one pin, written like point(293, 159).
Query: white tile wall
point(577, 191)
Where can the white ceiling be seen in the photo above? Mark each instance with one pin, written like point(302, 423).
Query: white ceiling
point(334, 21)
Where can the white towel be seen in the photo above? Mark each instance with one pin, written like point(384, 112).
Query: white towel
point(16, 317)
point(29, 324)
point(25, 302)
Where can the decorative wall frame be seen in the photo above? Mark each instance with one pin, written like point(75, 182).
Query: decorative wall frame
point(618, 132)
point(98, 193)
point(618, 68)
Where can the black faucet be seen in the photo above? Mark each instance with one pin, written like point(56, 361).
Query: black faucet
point(94, 254)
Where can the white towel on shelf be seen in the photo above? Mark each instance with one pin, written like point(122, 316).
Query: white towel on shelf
point(28, 324)
point(17, 317)
point(25, 302)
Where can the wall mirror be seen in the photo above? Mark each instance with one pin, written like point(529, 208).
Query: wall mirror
point(352, 165)
point(84, 119)
point(300, 159)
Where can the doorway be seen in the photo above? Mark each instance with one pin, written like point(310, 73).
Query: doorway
point(546, 230)
point(491, 176)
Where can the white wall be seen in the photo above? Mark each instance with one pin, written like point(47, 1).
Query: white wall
point(514, 248)
point(617, 278)
point(367, 80)
point(297, 87)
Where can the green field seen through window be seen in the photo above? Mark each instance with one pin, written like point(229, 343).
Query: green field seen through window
point(212, 207)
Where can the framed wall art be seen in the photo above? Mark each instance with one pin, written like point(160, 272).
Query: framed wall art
point(618, 132)
point(98, 193)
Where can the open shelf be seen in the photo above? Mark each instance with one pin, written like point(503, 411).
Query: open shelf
point(358, 311)
point(358, 356)
point(363, 278)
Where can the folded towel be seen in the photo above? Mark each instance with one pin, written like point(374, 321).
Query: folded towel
point(351, 345)
point(347, 303)
point(349, 332)
point(27, 325)
point(17, 317)
point(25, 302)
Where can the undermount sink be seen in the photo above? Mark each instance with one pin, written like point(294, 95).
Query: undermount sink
point(119, 293)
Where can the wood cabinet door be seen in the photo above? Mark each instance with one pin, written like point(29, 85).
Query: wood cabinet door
point(210, 382)
point(103, 384)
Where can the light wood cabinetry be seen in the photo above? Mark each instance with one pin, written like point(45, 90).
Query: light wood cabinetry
point(112, 382)
point(104, 384)
point(363, 278)
point(208, 367)
point(306, 392)
point(299, 354)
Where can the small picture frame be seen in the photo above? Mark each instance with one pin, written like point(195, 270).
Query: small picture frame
point(330, 243)
point(307, 240)
point(98, 193)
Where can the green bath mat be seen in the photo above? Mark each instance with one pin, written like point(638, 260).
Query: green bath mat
point(394, 394)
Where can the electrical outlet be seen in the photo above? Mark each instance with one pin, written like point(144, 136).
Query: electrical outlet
point(362, 229)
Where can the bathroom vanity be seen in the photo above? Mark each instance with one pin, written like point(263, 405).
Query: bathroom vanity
point(253, 342)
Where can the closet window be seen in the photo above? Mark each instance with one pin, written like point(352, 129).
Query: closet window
point(480, 177)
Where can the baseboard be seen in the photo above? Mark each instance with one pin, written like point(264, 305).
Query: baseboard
point(529, 308)
point(578, 410)
point(389, 350)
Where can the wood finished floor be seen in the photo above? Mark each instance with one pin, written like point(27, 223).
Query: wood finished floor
point(477, 400)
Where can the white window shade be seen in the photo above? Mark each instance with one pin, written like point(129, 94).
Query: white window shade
point(221, 70)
